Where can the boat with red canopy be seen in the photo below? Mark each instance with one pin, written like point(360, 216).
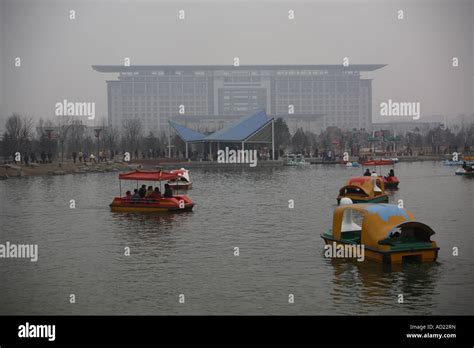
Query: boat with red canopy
point(155, 203)
point(378, 163)
point(390, 181)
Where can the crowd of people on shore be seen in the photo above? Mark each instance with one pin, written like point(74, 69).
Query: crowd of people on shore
point(150, 194)
point(84, 156)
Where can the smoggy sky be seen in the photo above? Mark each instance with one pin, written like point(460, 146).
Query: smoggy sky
point(57, 53)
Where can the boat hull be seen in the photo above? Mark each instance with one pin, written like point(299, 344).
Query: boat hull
point(392, 256)
point(391, 184)
point(466, 173)
point(175, 204)
point(352, 165)
point(299, 164)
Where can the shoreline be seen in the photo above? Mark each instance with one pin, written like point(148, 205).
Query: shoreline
point(8, 171)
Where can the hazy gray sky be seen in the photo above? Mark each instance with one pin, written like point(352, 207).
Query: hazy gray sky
point(57, 53)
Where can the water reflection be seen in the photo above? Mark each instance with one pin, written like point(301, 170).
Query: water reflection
point(378, 285)
point(149, 225)
point(144, 219)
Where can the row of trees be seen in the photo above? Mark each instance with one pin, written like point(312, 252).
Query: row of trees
point(437, 141)
point(59, 140)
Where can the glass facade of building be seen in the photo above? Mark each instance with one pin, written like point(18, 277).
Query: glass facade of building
point(313, 96)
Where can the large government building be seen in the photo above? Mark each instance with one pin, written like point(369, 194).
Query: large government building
point(207, 97)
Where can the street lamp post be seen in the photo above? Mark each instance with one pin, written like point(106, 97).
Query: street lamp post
point(61, 140)
point(97, 135)
point(62, 133)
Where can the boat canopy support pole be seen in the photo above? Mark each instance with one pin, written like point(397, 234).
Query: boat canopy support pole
point(120, 187)
point(273, 139)
point(186, 150)
point(169, 142)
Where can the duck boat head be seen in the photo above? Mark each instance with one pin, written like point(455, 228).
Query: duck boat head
point(182, 182)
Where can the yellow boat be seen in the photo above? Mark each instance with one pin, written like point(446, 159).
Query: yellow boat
point(364, 189)
point(388, 234)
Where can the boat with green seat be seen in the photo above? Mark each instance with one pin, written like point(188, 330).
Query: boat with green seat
point(388, 233)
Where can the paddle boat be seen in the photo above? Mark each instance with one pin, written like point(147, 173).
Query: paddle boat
point(364, 189)
point(390, 181)
point(174, 203)
point(295, 160)
point(388, 234)
point(466, 169)
point(452, 163)
point(183, 182)
point(352, 165)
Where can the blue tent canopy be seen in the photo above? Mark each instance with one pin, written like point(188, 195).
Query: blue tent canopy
point(187, 134)
point(241, 129)
point(236, 132)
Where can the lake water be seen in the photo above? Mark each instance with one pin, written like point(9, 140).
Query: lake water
point(81, 250)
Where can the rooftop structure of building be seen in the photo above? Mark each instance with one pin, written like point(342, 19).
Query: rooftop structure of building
point(276, 67)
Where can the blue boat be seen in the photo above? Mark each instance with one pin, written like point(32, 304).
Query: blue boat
point(452, 163)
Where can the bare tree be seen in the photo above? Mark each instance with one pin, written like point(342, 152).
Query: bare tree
point(76, 135)
point(65, 124)
point(111, 137)
point(132, 132)
point(18, 134)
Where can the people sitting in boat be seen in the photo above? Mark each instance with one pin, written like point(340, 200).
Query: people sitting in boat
point(149, 191)
point(168, 191)
point(391, 173)
point(155, 195)
point(136, 196)
point(464, 165)
point(142, 191)
point(367, 172)
point(128, 195)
